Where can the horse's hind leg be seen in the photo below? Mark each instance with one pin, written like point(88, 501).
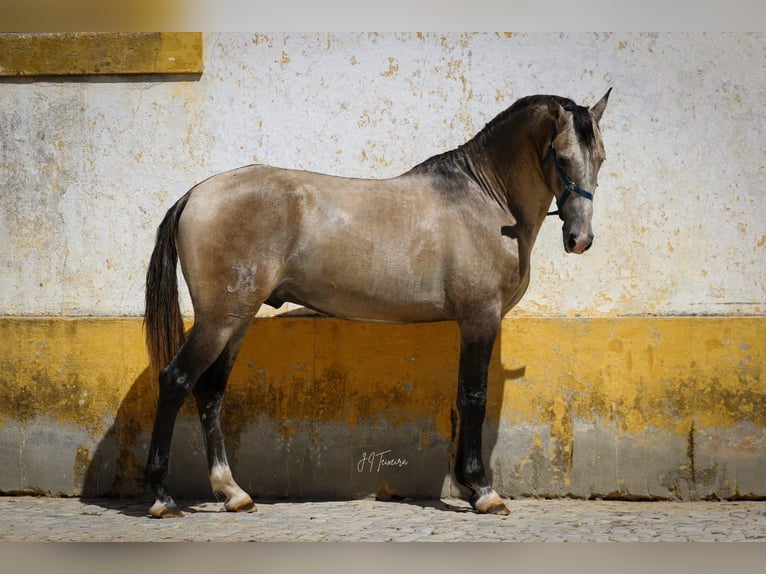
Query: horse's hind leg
point(209, 393)
point(197, 354)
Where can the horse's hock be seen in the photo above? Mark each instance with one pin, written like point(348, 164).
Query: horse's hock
point(635, 408)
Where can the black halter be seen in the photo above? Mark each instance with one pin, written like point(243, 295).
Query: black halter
point(569, 185)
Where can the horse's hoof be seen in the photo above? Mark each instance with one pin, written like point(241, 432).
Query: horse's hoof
point(491, 503)
point(244, 504)
point(161, 510)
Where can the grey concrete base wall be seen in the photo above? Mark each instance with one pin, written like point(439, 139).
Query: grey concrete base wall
point(333, 461)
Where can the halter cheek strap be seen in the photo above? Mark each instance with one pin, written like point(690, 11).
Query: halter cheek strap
point(569, 185)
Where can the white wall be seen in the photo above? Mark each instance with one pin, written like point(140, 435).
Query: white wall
point(88, 167)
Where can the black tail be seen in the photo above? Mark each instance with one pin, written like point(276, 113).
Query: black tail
point(162, 315)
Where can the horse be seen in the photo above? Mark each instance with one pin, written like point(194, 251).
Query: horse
point(448, 240)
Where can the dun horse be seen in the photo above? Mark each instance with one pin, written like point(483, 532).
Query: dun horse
point(450, 239)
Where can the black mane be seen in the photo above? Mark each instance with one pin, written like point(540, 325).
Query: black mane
point(444, 162)
point(580, 115)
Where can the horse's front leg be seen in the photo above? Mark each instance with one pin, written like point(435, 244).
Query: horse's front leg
point(476, 342)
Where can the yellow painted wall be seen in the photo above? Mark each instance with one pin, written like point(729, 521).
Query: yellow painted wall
point(628, 376)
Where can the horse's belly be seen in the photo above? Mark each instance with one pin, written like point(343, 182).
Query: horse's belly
point(397, 298)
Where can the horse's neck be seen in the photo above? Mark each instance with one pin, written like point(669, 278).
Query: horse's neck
point(510, 164)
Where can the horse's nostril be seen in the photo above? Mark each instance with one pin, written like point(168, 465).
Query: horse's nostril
point(572, 241)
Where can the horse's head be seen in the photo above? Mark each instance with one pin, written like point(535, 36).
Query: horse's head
point(572, 156)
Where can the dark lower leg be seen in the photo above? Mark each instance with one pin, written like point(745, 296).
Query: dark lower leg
point(471, 400)
point(475, 355)
point(209, 394)
point(173, 392)
point(175, 384)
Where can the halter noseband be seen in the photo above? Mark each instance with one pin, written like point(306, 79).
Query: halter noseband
point(569, 185)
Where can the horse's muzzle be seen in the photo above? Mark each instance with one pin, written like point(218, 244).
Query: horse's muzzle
point(578, 243)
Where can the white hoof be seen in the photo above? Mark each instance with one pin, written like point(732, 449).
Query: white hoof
point(490, 503)
point(162, 510)
point(241, 503)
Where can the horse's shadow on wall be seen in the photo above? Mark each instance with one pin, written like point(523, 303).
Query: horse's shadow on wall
point(315, 409)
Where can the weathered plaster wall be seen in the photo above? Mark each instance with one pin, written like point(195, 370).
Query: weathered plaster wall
point(89, 167)
point(601, 385)
point(645, 408)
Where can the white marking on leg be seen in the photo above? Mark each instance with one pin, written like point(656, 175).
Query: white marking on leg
point(222, 481)
point(161, 510)
point(491, 503)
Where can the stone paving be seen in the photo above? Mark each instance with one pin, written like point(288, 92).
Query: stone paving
point(26, 518)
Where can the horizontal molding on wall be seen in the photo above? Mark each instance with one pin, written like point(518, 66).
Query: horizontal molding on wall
point(95, 53)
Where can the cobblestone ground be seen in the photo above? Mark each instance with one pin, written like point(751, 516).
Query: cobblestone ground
point(68, 519)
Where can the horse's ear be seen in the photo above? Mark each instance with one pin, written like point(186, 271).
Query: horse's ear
point(554, 107)
point(598, 110)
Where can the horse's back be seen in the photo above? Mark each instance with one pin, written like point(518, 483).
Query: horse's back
point(246, 208)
